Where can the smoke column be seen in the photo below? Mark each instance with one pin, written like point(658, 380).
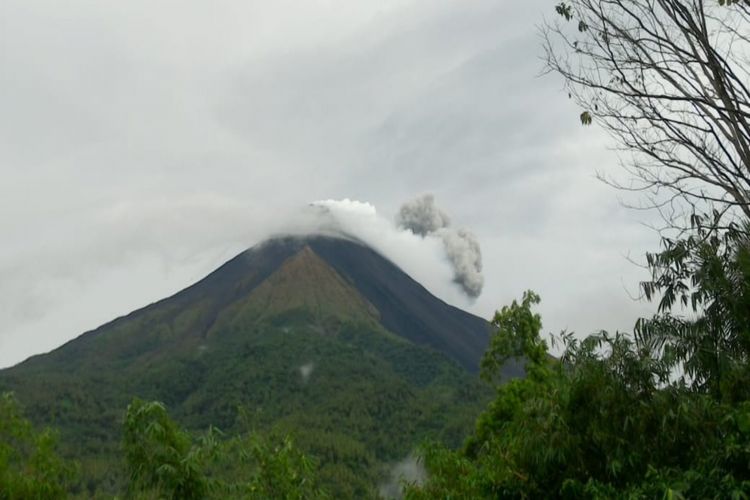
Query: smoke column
point(422, 217)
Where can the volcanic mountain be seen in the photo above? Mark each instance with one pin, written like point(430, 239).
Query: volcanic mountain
point(319, 336)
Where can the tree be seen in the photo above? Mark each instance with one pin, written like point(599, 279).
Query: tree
point(709, 274)
point(668, 80)
point(165, 461)
point(161, 457)
point(30, 467)
point(270, 467)
point(606, 420)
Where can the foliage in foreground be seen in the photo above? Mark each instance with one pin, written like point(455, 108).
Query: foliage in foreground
point(661, 414)
point(30, 467)
point(164, 461)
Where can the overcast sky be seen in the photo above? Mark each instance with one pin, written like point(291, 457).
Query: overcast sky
point(143, 143)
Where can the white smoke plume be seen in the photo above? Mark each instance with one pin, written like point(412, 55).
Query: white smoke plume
point(428, 250)
point(408, 470)
point(306, 370)
point(422, 217)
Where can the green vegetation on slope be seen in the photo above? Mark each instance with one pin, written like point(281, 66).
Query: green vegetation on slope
point(306, 282)
point(29, 465)
point(162, 460)
point(355, 397)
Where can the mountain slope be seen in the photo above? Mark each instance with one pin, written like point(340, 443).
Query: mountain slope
point(304, 281)
point(317, 336)
point(406, 307)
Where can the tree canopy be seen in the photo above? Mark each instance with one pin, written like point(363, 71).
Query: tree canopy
point(30, 467)
point(610, 418)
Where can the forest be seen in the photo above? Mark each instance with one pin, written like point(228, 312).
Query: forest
point(662, 411)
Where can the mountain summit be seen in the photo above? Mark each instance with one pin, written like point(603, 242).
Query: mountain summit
point(318, 336)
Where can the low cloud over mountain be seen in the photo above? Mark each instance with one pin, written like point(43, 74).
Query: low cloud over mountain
point(420, 231)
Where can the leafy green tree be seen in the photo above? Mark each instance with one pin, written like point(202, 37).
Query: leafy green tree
point(707, 273)
point(30, 467)
point(165, 461)
point(608, 419)
point(161, 457)
point(271, 467)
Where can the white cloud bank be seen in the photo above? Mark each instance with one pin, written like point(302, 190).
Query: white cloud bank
point(439, 255)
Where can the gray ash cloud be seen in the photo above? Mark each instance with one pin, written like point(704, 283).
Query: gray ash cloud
point(422, 217)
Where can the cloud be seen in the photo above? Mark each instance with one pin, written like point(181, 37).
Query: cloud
point(424, 259)
point(420, 234)
point(420, 239)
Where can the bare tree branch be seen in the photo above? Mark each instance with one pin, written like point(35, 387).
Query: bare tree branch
point(668, 80)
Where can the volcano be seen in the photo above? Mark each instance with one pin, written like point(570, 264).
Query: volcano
point(319, 336)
